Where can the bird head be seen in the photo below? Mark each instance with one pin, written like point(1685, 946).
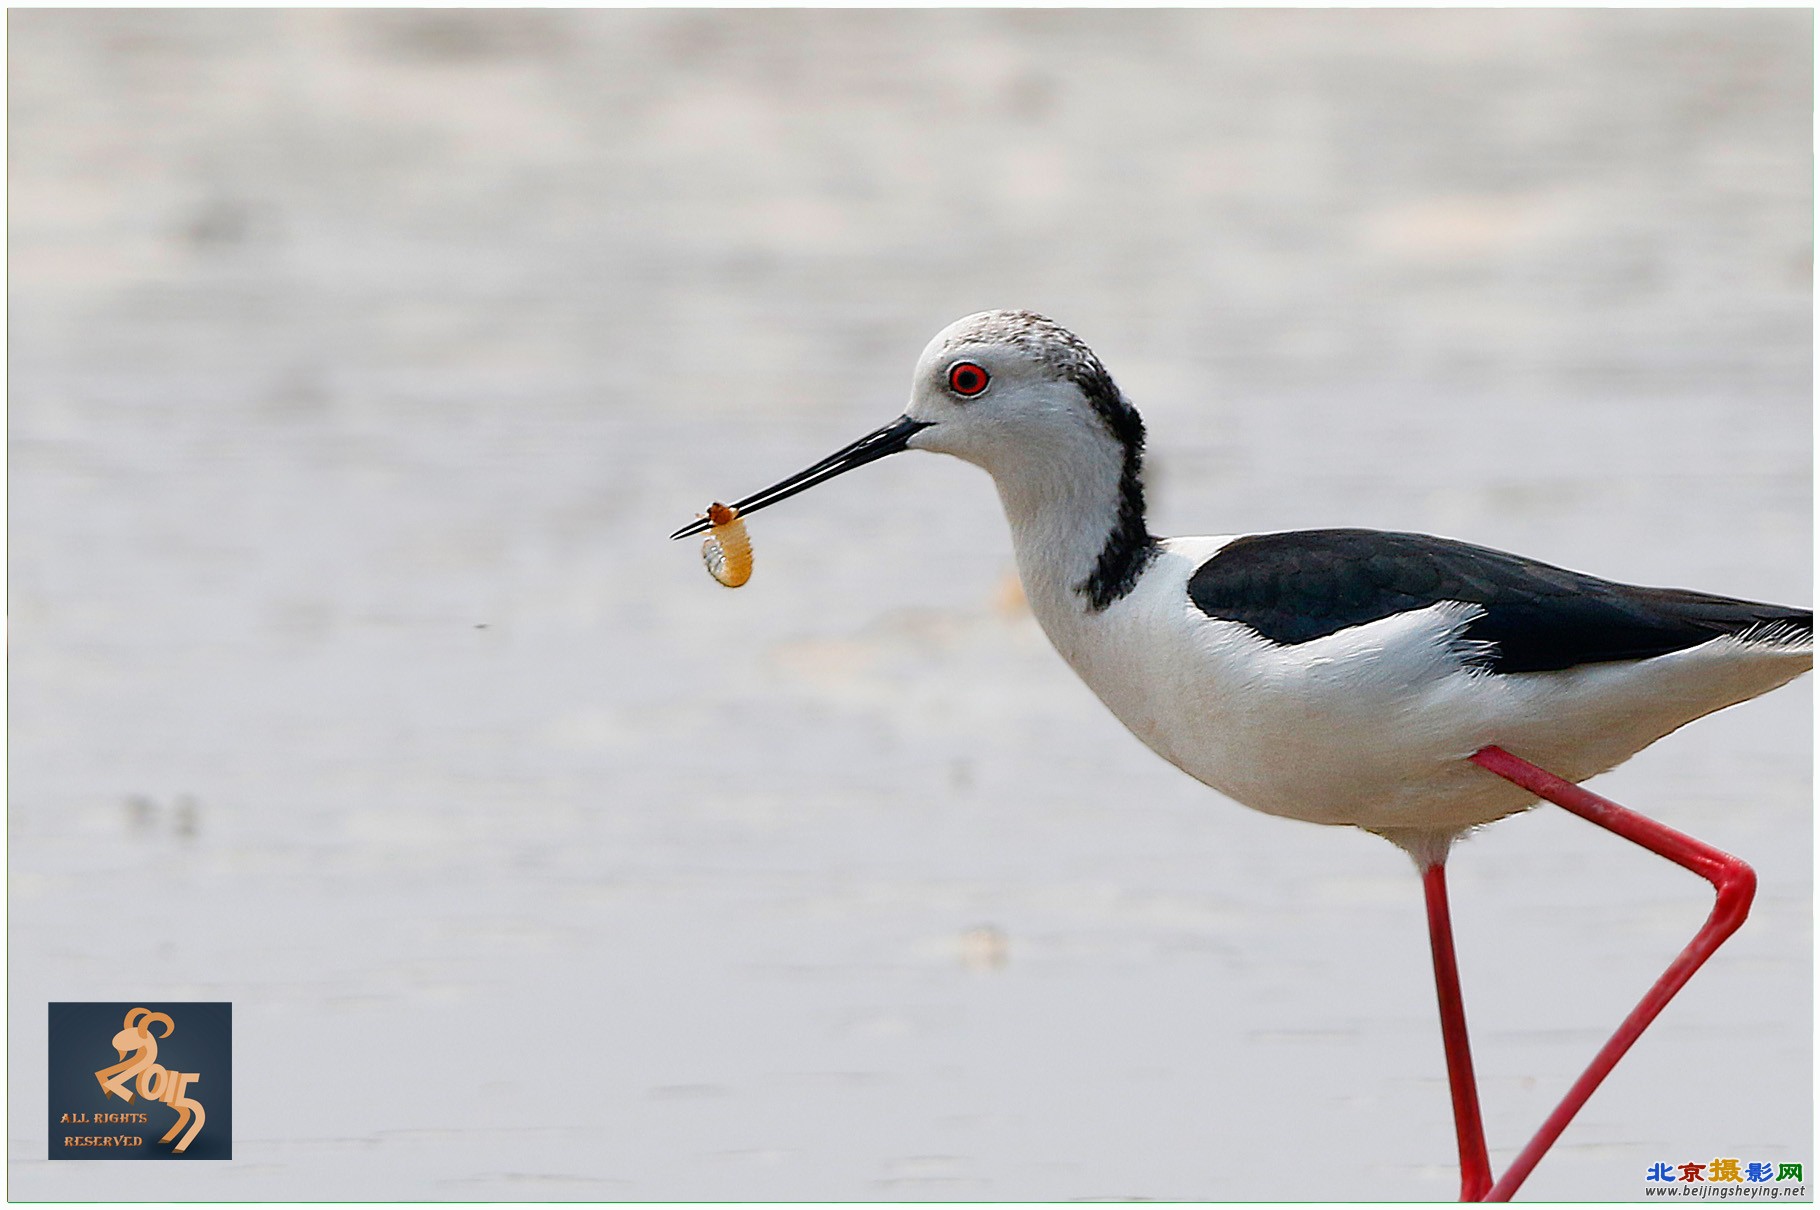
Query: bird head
point(1010, 391)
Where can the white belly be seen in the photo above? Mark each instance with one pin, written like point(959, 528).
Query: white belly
point(1372, 726)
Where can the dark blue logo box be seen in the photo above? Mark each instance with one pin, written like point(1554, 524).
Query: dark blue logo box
point(142, 1080)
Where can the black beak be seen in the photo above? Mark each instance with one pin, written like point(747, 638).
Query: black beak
point(889, 440)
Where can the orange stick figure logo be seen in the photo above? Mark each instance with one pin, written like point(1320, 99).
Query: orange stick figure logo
point(154, 1082)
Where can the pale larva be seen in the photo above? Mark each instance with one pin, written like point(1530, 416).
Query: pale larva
point(727, 550)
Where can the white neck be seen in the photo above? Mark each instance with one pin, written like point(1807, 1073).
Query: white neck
point(1062, 500)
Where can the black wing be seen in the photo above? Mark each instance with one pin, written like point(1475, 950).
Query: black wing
point(1294, 587)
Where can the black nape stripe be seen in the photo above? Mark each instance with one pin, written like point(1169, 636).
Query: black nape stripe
point(1130, 547)
point(1295, 587)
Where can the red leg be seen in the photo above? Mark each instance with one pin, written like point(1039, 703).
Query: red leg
point(1734, 881)
point(1475, 1164)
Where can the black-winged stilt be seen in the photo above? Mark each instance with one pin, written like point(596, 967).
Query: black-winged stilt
point(1412, 686)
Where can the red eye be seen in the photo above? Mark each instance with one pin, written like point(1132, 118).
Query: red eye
point(965, 378)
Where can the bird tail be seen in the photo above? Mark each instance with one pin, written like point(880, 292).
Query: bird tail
point(1792, 633)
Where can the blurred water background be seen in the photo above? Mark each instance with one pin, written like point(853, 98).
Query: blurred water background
point(362, 360)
